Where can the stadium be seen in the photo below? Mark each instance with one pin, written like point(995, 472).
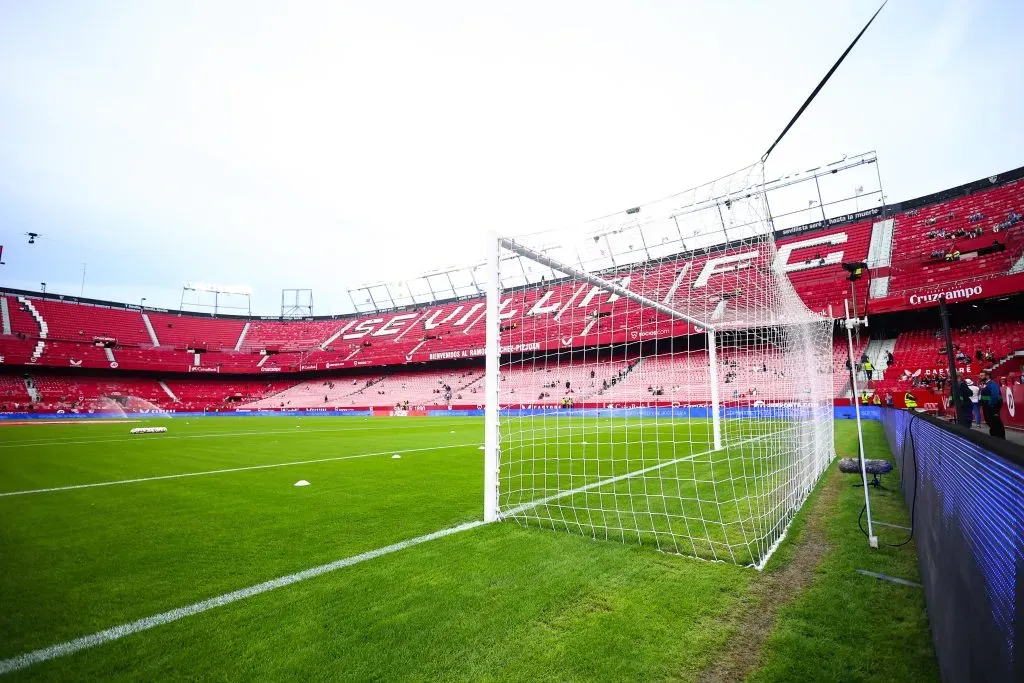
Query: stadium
point(638, 448)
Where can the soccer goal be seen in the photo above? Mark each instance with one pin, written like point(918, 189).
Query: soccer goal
point(654, 378)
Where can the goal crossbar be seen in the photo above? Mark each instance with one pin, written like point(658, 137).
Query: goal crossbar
point(596, 281)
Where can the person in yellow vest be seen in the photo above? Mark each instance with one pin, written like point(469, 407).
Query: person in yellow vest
point(865, 398)
point(909, 400)
point(869, 368)
point(876, 400)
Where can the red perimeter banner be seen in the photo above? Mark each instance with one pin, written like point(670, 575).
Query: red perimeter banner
point(929, 296)
point(1013, 406)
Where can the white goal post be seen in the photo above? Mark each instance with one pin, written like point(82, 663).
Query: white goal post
point(654, 379)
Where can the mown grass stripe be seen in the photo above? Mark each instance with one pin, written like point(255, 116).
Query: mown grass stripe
point(117, 632)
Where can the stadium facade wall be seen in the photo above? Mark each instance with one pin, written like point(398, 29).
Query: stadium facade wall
point(966, 493)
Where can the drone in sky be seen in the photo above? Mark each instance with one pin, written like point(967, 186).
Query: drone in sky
point(32, 237)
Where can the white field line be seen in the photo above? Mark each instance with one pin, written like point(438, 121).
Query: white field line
point(61, 442)
point(471, 421)
point(263, 467)
point(62, 649)
point(232, 469)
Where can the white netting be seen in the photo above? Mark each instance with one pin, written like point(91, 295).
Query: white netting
point(607, 428)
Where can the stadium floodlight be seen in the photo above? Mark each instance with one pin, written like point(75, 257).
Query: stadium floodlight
point(656, 380)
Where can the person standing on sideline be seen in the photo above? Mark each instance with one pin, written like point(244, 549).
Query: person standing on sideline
point(991, 402)
point(975, 402)
point(963, 408)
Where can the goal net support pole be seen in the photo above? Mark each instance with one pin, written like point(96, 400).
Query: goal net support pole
point(716, 417)
point(851, 324)
point(491, 379)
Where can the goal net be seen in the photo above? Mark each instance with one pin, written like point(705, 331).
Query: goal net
point(653, 378)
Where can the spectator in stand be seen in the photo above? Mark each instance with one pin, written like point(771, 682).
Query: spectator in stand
point(991, 402)
point(963, 406)
point(869, 368)
point(889, 358)
point(975, 402)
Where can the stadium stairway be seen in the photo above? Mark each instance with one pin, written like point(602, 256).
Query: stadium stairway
point(330, 340)
point(167, 390)
point(149, 330)
point(30, 388)
point(241, 337)
point(44, 329)
point(880, 256)
point(876, 352)
point(5, 315)
point(1018, 267)
point(628, 368)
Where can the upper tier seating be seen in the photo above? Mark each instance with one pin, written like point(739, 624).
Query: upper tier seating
point(296, 335)
point(192, 331)
point(913, 266)
point(22, 322)
point(83, 323)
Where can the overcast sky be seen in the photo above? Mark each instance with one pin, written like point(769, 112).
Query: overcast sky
point(328, 144)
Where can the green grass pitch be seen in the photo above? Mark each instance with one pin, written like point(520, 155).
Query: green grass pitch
point(573, 474)
point(497, 602)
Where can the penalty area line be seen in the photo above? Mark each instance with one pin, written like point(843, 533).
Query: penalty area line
point(63, 649)
point(232, 469)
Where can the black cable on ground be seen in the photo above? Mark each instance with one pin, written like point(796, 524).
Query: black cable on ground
point(909, 432)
